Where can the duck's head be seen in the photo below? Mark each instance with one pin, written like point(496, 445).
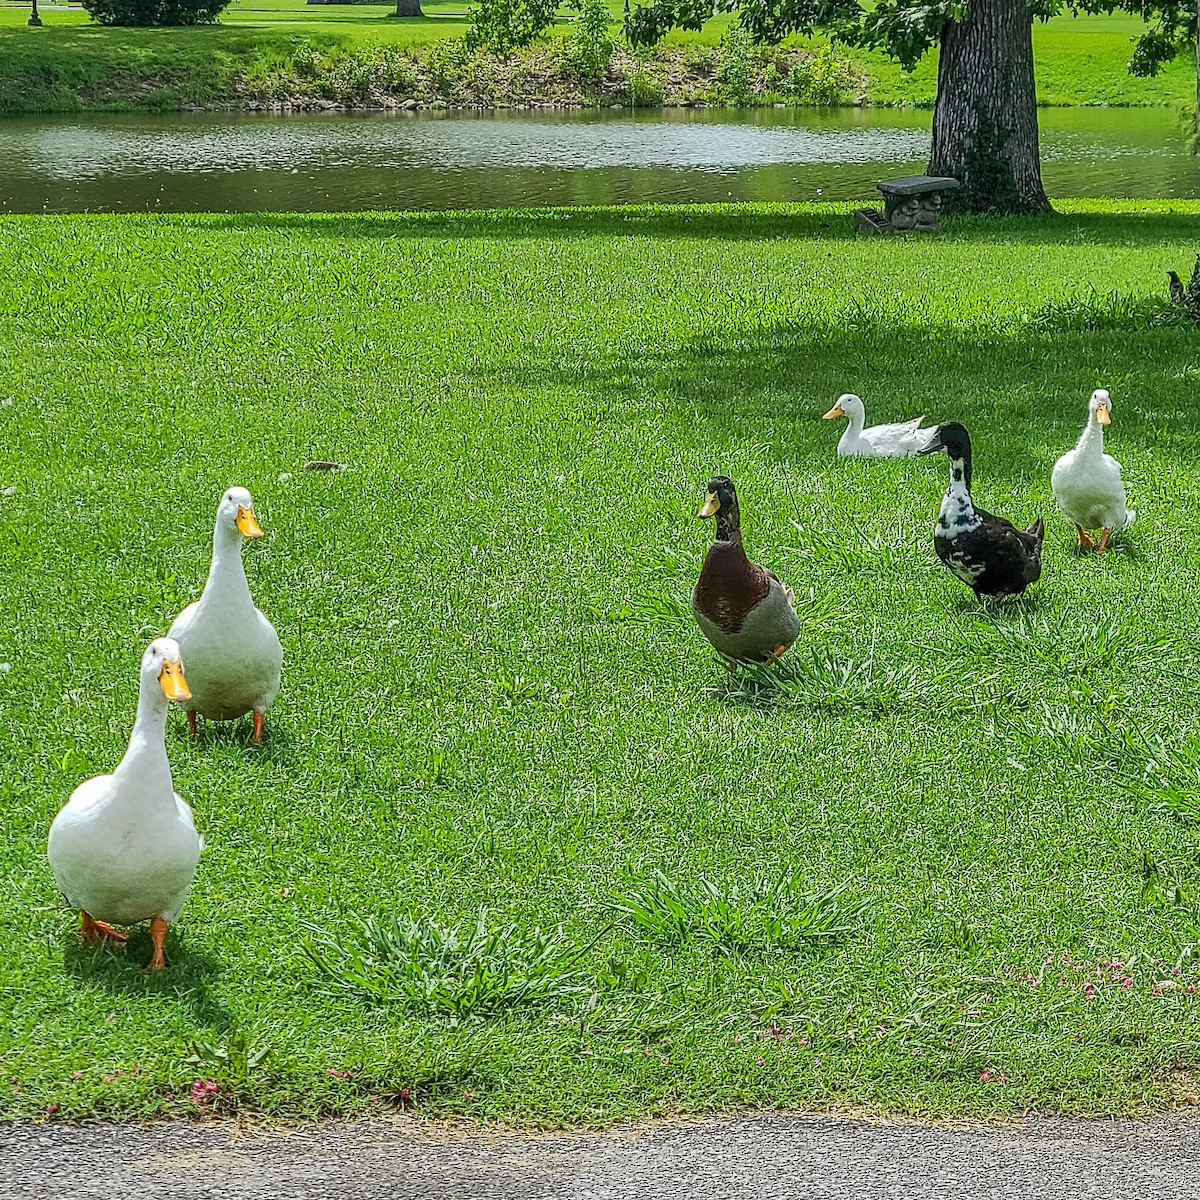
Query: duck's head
point(236, 511)
point(721, 496)
point(848, 405)
point(161, 664)
point(1100, 406)
point(953, 438)
point(721, 502)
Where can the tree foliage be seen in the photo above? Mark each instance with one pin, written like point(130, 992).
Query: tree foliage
point(1171, 30)
point(502, 26)
point(154, 12)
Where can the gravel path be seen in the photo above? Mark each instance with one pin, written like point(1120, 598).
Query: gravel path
point(792, 1157)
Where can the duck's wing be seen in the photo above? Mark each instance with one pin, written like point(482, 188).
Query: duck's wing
point(775, 581)
point(901, 437)
point(1009, 545)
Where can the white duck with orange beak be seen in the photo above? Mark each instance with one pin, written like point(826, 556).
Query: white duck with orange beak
point(879, 441)
point(233, 654)
point(124, 847)
point(1087, 483)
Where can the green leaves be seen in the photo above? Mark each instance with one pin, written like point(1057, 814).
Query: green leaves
point(501, 26)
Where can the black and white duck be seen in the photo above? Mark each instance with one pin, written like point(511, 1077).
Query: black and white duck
point(743, 609)
point(989, 554)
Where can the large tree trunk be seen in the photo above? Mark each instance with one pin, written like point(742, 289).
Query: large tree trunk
point(408, 8)
point(985, 131)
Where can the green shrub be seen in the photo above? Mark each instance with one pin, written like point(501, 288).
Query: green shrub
point(588, 50)
point(737, 68)
point(819, 78)
point(154, 12)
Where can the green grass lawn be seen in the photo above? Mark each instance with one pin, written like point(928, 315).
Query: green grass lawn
point(71, 63)
point(495, 701)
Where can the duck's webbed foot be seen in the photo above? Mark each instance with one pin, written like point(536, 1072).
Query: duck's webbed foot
point(258, 727)
point(192, 726)
point(1105, 534)
point(91, 930)
point(158, 934)
point(1085, 539)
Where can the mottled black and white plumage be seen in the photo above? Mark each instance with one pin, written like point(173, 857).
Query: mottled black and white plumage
point(1189, 296)
point(989, 554)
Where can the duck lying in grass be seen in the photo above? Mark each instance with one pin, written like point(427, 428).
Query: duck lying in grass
point(743, 609)
point(986, 552)
point(124, 848)
point(232, 651)
point(1086, 482)
point(880, 441)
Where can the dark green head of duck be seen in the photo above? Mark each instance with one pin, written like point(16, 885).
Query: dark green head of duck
point(721, 502)
point(956, 441)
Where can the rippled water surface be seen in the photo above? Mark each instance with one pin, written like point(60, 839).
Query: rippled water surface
point(238, 163)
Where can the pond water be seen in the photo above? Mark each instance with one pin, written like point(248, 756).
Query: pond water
point(245, 162)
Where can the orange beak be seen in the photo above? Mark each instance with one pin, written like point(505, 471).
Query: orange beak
point(172, 682)
point(247, 523)
point(836, 411)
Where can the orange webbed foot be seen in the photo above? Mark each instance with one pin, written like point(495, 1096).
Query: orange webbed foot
point(258, 727)
point(1104, 536)
point(1085, 539)
point(91, 930)
point(192, 723)
point(158, 934)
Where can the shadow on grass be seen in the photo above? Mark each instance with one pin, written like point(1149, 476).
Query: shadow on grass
point(122, 970)
point(709, 221)
point(668, 222)
point(237, 734)
point(1004, 381)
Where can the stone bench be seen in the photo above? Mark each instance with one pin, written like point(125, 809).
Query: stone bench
point(910, 205)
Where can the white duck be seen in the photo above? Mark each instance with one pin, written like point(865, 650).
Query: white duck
point(232, 651)
point(880, 441)
point(1086, 482)
point(124, 847)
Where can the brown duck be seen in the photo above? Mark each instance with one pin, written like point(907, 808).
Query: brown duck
point(742, 608)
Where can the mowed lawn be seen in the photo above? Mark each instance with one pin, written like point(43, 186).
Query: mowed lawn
point(495, 701)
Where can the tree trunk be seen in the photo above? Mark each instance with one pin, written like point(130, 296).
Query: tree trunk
point(408, 8)
point(985, 131)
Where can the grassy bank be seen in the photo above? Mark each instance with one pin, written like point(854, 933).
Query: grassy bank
point(287, 52)
point(975, 830)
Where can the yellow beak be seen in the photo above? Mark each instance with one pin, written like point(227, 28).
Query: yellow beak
point(836, 411)
point(247, 523)
point(711, 504)
point(172, 682)
point(1102, 414)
